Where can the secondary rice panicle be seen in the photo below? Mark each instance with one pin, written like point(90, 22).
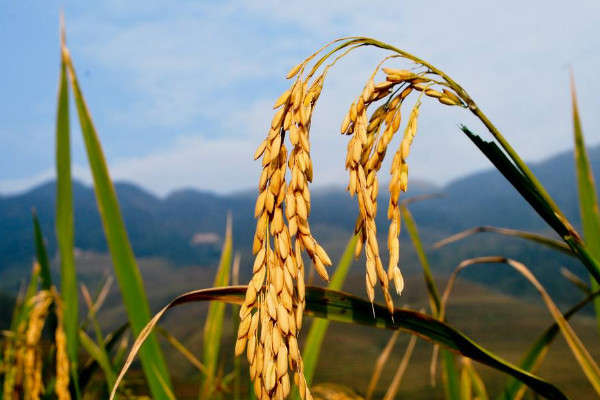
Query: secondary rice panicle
point(23, 362)
point(269, 334)
point(61, 386)
point(13, 362)
point(32, 364)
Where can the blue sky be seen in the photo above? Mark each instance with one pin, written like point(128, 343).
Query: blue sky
point(181, 92)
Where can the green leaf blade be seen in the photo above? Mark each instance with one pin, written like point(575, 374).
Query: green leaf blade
point(344, 307)
point(318, 329)
point(64, 217)
point(213, 327)
point(125, 266)
point(41, 254)
point(588, 198)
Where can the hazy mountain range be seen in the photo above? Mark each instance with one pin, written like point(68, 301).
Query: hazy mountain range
point(186, 226)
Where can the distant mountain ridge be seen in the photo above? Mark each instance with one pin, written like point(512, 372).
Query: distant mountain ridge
point(164, 227)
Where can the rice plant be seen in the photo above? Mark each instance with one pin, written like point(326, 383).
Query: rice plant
point(271, 308)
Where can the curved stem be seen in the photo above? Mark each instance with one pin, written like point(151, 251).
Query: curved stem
point(573, 239)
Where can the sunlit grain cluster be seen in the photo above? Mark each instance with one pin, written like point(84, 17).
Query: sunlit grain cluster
point(23, 356)
point(269, 333)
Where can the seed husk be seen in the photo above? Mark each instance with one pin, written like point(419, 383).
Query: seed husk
point(294, 70)
point(285, 96)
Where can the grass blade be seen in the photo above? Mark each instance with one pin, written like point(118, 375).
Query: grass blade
point(576, 281)
point(318, 328)
point(477, 385)
point(213, 326)
point(100, 356)
point(534, 237)
point(344, 307)
point(91, 365)
point(64, 217)
point(41, 254)
point(126, 270)
point(395, 385)
point(181, 349)
point(588, 198)
point(380, 363)
point(22, 303)
point(235, 310)
point(584, 359)
point(450, 372)
point(466, 389)
point(413, 232)
point(100, 353)
point(450, 375)
point(532, 360)
point(547, 211)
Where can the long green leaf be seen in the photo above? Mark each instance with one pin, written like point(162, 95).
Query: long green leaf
point(44, 268)
point(477, 382)
point(527, 190)
point(99, 350)
point(588, 198)
point(450, 375)
point(99, 355)
point(22, 304)
point(472, 386)
point(91, 366)
point(466, 390)
point(235, 310)
point(181, 348)
point(126, 270)
point(64, 217)
point(535, 355)
point(451, 378)
point(316, 334)
point(344, 307)
point(213, 327)
point(41, 254)
point(413, 232)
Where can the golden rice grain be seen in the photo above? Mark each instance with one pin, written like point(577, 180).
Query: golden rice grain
point(285, 96)
point(448, 101)
point(294, 71)
point(450, 94)
point(433, 93)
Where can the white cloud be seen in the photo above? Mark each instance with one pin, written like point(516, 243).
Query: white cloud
point(216, 67)
point(222, 165)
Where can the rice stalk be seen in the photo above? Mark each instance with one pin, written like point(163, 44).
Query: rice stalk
point(380, 363)
point(588, 197)
point(125, 266)
point(213, 326)
point(395, 385)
